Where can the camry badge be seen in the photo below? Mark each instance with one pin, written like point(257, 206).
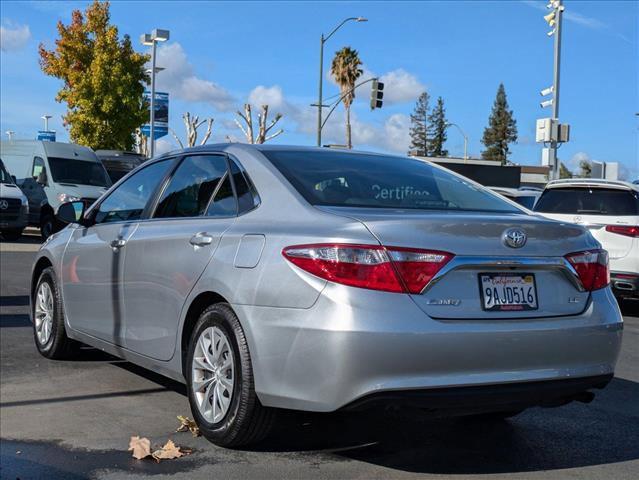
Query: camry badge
point(451, 302)
point(514, 238)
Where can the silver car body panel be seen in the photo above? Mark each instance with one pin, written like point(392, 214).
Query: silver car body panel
point(317, 345)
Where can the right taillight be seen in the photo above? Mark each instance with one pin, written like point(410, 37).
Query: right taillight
point(592, 268)
point(627, 230)
point(390, 269)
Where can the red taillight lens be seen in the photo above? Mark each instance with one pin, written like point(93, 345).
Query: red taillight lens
point(592, 268)
point(369, 266)
point(627, 230)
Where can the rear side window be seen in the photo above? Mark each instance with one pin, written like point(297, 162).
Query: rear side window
point(192, 185)
point(359, 180)
point(247, 197)
point(589, 201)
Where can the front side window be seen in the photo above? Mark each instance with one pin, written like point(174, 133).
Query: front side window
point(78, 172)
point(359, 180)
point(128, 201)
point(196, 180)
point(589, 201)
point(38, 166)
point(4, 175)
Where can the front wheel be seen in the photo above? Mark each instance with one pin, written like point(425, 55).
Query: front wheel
point(220, 381)
point(48, 319)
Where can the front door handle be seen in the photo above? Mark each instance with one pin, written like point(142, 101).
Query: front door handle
point(117, 244)
point(201, 239)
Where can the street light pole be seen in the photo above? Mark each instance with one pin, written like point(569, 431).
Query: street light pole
point(321, 74)
point(151, 40)
point(465, 139)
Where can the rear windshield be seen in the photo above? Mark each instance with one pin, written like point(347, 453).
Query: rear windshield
point(589, 201)
point(79, 172)
point(359, 180)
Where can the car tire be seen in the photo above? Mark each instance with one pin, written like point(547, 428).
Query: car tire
point(245, 420)
point(11, 235)
point(47, 313)
point(47, 225)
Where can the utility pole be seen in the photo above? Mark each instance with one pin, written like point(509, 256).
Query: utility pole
point(556, 133)
point(559, 9)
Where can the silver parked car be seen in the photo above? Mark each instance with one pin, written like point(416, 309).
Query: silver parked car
point(271, 277)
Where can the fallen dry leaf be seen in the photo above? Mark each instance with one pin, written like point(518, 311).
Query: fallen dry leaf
point(141, 447)
point(187, 424)
point(169, 450)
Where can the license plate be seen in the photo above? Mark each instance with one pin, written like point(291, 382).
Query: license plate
point(508, 291)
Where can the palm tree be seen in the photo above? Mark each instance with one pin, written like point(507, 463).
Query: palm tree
point(345, 70)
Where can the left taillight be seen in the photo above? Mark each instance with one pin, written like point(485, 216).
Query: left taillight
point(592, 268)
point(390, 269)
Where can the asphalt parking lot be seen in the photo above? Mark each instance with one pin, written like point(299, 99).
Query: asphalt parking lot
point(73, 420)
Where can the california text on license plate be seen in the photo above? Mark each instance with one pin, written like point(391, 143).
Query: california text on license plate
point(508, 291)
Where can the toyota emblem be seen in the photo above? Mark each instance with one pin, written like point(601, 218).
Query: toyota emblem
point(514, 238)
point(4, 204)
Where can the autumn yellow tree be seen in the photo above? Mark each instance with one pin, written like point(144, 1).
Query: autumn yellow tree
point(103, 79)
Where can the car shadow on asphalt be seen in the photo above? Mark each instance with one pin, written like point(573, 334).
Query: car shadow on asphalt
point(572, 436)
point(575, 435)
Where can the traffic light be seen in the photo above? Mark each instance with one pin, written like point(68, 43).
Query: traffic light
point(377, 94)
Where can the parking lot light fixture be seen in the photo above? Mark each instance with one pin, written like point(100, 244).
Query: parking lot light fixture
point(151, 39)
point(449, 124)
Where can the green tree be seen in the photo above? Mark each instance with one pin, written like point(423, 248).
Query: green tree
point(437, 134)
point(419, 126)
point(501, 130)
point(345, 70)
point(585, 169)
point(103, 80)
point(564, 172)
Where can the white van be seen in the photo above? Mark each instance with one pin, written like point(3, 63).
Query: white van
point(52, 173)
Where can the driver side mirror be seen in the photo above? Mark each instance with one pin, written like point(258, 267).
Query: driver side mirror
point(71, 212)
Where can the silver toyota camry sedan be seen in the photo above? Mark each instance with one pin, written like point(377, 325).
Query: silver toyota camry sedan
point(272, 277)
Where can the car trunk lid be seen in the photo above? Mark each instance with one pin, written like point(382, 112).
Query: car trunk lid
point(476, 240)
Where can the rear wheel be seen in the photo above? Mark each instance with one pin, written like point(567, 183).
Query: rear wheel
point(48, 319)
point(220, 381)
point(47, 225)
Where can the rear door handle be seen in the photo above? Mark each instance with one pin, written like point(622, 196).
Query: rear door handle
point(117, 244)
point(201, 239)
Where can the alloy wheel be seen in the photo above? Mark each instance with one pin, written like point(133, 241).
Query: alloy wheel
point(212, 375)
point(44, 313)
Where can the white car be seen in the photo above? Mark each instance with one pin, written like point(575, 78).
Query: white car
point(610, 210)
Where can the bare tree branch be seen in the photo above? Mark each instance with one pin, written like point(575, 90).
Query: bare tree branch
point(209, 129)
point(279, 132)
point(176, 138)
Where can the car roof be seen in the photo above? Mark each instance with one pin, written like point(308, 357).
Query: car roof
point(591, 182)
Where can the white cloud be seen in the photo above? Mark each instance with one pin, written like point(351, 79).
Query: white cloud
point(396, 133)
point(179, 80)
point(163, 146)
point(14, 37)
point(569, 15)
point(271, 96)
point(401, 86)
point(575, 161)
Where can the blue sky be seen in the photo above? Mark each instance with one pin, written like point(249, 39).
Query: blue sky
point(222, 54)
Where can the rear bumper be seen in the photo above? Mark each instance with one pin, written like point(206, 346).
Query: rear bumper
point(625, 285)
point(502, 397)
point(354, 343)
